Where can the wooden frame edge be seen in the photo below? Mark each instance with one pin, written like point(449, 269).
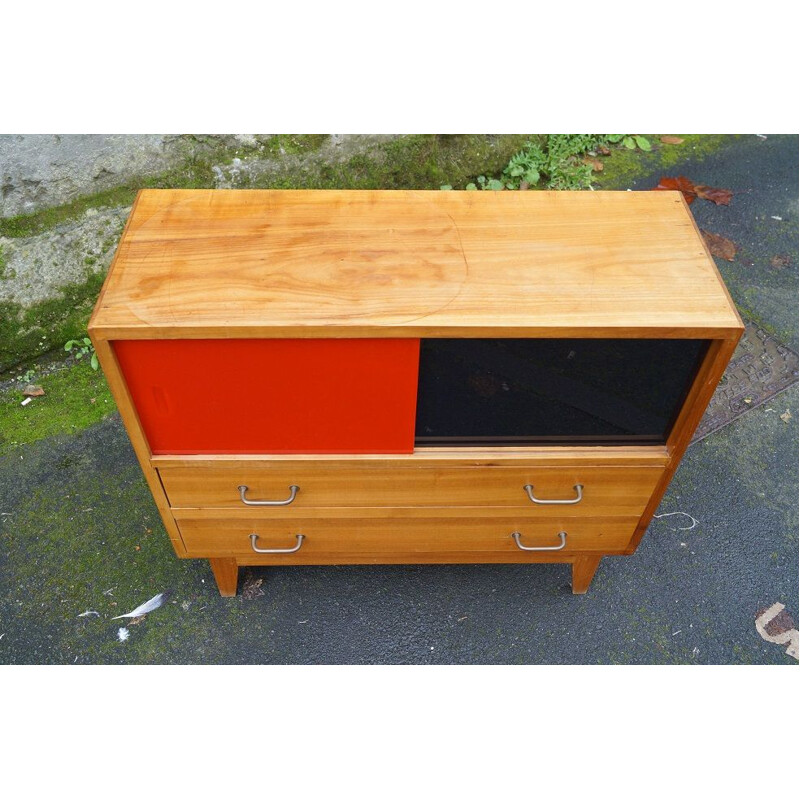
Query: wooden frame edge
point(705, 383)
point(119, 391)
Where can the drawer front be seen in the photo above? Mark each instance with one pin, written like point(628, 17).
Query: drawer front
point(334, 540)
point(605, 491)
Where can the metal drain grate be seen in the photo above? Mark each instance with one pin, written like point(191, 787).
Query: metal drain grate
point(760, 368)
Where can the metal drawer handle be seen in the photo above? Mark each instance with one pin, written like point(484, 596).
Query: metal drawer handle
point(254, 539)
point(578, 487)
point(292, 494)
point(562, 535)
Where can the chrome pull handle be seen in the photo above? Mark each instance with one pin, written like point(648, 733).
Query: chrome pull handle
point(561, 534)
point(578, 487)
point(254, 539)
point(293, 490)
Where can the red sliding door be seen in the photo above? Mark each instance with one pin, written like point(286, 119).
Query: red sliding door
point(208, 396)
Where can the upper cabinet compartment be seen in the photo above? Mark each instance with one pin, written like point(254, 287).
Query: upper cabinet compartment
point(284, 321)
point(553, 391)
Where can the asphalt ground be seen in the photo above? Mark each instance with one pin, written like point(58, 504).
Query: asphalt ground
point(80, 532)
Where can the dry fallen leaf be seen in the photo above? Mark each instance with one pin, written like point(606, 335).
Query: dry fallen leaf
point(33, 391)
point(780, 262)
point(595, 163)
point(671, 139)
point(679, 184)
point(603, 150)
point(251, 587)
point(719, 246)
point(722, 197)
point(781, 623)
point(786, 416)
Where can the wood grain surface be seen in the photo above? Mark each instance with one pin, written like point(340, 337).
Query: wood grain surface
point(327, 539)
point(607, 491)
point(288, 263)
point(555, 455)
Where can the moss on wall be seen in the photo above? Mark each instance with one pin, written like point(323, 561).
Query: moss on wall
point(29, 332)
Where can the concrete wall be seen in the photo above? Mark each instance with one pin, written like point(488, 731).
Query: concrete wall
point(43, 170)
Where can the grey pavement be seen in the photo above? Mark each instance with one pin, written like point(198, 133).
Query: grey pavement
point(79, 532)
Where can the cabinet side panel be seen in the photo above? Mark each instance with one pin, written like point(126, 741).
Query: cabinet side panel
point(239, 396)
point(130, 419)
point(711, 371)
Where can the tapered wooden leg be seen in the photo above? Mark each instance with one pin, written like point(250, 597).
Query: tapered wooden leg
point(227, 575)
point(583, 569)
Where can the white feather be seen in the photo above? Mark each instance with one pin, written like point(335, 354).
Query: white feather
point(90, 614)
point(123, 634)
point(145, 608)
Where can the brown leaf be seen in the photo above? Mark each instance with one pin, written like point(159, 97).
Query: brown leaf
point(671, 139)
point(679, 184)
point(780, 262)
point(251, 588)
point(722, 197)
point(786, 416)
point(603, 150)
point(691, 190)
point(780, 624)
point(33, 391)
point(595, 163)
point(719, 246)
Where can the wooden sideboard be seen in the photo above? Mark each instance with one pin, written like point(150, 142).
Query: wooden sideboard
point(379, 377)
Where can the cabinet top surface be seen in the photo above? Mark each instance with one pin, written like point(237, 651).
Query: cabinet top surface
point(207, 263)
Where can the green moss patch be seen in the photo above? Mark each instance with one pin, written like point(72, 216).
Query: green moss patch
point(32, 224)
point(75, 397)
point(623, 167)
point(45, 326)
point(4, 271)
point(294, 143)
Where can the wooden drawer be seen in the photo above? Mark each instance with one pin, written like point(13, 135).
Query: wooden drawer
point(606, 491)
point(399, 534)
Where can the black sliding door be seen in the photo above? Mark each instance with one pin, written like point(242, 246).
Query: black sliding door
point(552, 391)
